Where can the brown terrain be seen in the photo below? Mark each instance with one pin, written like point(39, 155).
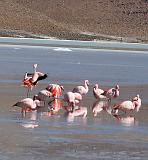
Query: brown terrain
point(125, 20)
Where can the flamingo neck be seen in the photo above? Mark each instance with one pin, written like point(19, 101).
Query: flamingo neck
point(116, 93)
point(94, 92)
point(135, 104)
point(86, 86)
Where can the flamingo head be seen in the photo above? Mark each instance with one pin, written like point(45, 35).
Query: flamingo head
point(35, 65)
point(137, 102)
point(49, 87)
point(117, 87)
point(95, 114)
point(35, 97)
point(136, 98)
point(96, 86)
point(114, 111)
point(87, 82)
point(94, 111)
point(37, 102)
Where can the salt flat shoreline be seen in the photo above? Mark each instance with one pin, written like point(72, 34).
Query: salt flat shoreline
point(110, 45)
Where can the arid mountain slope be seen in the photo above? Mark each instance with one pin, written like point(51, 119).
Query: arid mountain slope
point(76, 19)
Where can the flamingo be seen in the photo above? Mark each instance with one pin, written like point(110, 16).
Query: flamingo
point(43, 95)
point(82, 89)
point(31, 79)
point(112, 92)
point(72, 99)
point(99, 106)
point(134, 104)
point(27, 104)
point(55, 89)
point(98, 93)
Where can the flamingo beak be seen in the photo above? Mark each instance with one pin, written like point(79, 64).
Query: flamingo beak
point(62, 88)
point(114, 111)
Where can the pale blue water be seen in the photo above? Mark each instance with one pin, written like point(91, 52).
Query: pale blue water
point(105, 67)
point(39, 136)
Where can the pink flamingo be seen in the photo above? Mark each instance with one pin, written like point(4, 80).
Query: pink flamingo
point(55, 89)
point(27, 104)
point(31, 79)
point(72, 99)
point(112, 92)
point(43, 95)
point(82, 89)
point(98, 93)
point(134, 104)
point(99, 106)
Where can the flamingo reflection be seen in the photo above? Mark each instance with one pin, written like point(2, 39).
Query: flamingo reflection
point(126, 120)
point(99, 106)
point(55, 106)
point(31, 121)
point(78, 112)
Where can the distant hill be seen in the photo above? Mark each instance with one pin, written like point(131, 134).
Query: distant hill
point(75, 19)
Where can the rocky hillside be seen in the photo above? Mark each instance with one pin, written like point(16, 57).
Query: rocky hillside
point(75, 19)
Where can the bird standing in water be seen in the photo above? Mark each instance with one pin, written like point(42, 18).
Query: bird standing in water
point(27, 104)
point(128, 105)
point(112, 92)
point(98, 93)
point(82, 89)
point(55, 89)
point(31, 79)
point(72, 99)
point(44, 96)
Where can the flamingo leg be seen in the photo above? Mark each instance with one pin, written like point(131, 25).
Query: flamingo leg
point(72, 104)
point(129, 111)
point(23, 113)
point(124, 111)
point(28, 92)
point(45, 103)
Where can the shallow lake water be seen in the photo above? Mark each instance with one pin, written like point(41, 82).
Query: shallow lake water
point(39, 135)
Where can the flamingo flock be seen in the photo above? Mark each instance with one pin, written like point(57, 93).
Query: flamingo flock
point(56, 98)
